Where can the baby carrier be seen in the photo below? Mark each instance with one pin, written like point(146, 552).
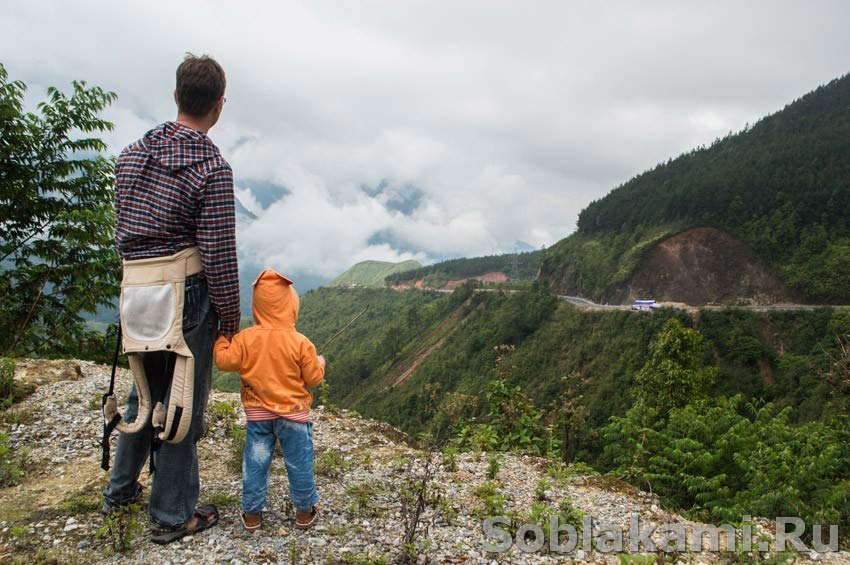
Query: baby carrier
point(151, 312)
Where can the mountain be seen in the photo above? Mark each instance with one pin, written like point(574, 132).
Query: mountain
point(492, 268)
point(243, 215)
point(759, 216)
point(372, 273)
point(412, 342)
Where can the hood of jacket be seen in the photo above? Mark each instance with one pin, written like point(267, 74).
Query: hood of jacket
point(275, 301)
point(175, 146)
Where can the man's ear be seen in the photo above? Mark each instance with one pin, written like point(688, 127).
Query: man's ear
point(175, 98)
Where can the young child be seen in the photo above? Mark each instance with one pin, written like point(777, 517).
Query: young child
point(277, 366)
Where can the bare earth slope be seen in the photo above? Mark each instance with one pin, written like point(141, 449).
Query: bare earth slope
point(362, 467)
point(700, 266)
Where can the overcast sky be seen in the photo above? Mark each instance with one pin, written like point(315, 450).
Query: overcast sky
point(394, 130)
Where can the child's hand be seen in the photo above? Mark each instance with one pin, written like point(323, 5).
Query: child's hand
point(322, 361)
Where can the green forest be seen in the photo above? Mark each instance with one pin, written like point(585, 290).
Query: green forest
point(526, 372)
point(782, 185)
point(516, 266)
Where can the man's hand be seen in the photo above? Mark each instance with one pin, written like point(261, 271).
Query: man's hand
point(227, 336)
point(321, 359)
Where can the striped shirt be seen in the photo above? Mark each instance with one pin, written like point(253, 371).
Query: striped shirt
point(262, 415)
point(174, 190)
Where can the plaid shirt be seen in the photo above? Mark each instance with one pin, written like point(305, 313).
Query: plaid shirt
point(173, 190)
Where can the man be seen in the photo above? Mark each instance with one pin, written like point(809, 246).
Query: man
point(174, 195)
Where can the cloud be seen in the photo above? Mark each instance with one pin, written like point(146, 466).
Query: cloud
point(482, 122)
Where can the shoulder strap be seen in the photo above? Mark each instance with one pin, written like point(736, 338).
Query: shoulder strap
point(109, 427)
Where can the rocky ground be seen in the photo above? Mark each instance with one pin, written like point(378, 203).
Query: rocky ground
point(365, 472)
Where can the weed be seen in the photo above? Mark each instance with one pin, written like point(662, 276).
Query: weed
point(294, 552)
point(540, 490)
point(337, 530)
point(12, 463)
point(637, 560)
point(221, 413)
point(358, 559)
point(331, 463)
point(414, 496)
point(569, 514)
point(11, 391)
point(561, 472)
point(540, 514)
point(237, 448)
point(450, 459)
point(447, 510)
point(15, 417)
point(222, 498)
point(493, 467)
point(492, 501)
point(399, 462)
point(95, 403)
point(83, 502)
point(361, 499)
point(121, 527)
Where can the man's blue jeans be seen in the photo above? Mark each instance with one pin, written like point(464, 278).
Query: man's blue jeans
point(175, 485)
point(296, 441)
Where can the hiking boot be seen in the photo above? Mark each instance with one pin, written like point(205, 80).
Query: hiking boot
point(304, 520)
point(252, 522)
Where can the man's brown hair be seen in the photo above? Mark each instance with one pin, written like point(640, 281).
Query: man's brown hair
point(200, 84)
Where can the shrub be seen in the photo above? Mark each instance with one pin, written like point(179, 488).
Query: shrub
point(237, 449)
point(493, 503)
point(493, 467)
point(12, 463)
point(330, 463)
point(121, 527)
point(11, 392)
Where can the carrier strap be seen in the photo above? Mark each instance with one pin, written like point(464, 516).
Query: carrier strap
point(156, 442)
point(109, 427)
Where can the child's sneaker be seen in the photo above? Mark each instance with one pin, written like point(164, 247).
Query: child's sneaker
point(304, 520)
point(252, 522)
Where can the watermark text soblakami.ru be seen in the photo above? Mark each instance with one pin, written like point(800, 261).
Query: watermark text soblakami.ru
point(501, 534)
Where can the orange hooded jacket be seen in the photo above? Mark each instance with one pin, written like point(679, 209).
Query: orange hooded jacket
point(276, 363)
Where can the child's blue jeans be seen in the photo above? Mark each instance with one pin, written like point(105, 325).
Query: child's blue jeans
point(296, 441)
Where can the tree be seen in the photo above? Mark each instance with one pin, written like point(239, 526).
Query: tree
point(674, 375)
point(57, 258)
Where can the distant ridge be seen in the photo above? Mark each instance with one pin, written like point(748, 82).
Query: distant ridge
point(513, 266)
point(372, 273)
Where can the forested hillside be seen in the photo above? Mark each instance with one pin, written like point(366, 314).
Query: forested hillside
point(526, 372)
point(781, 185)
point(551, 348)
point(514, 267)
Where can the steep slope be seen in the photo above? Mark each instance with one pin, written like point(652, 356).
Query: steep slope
point(372, 273)
point(553, 350)
point(703, 265)
point(781, 187)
